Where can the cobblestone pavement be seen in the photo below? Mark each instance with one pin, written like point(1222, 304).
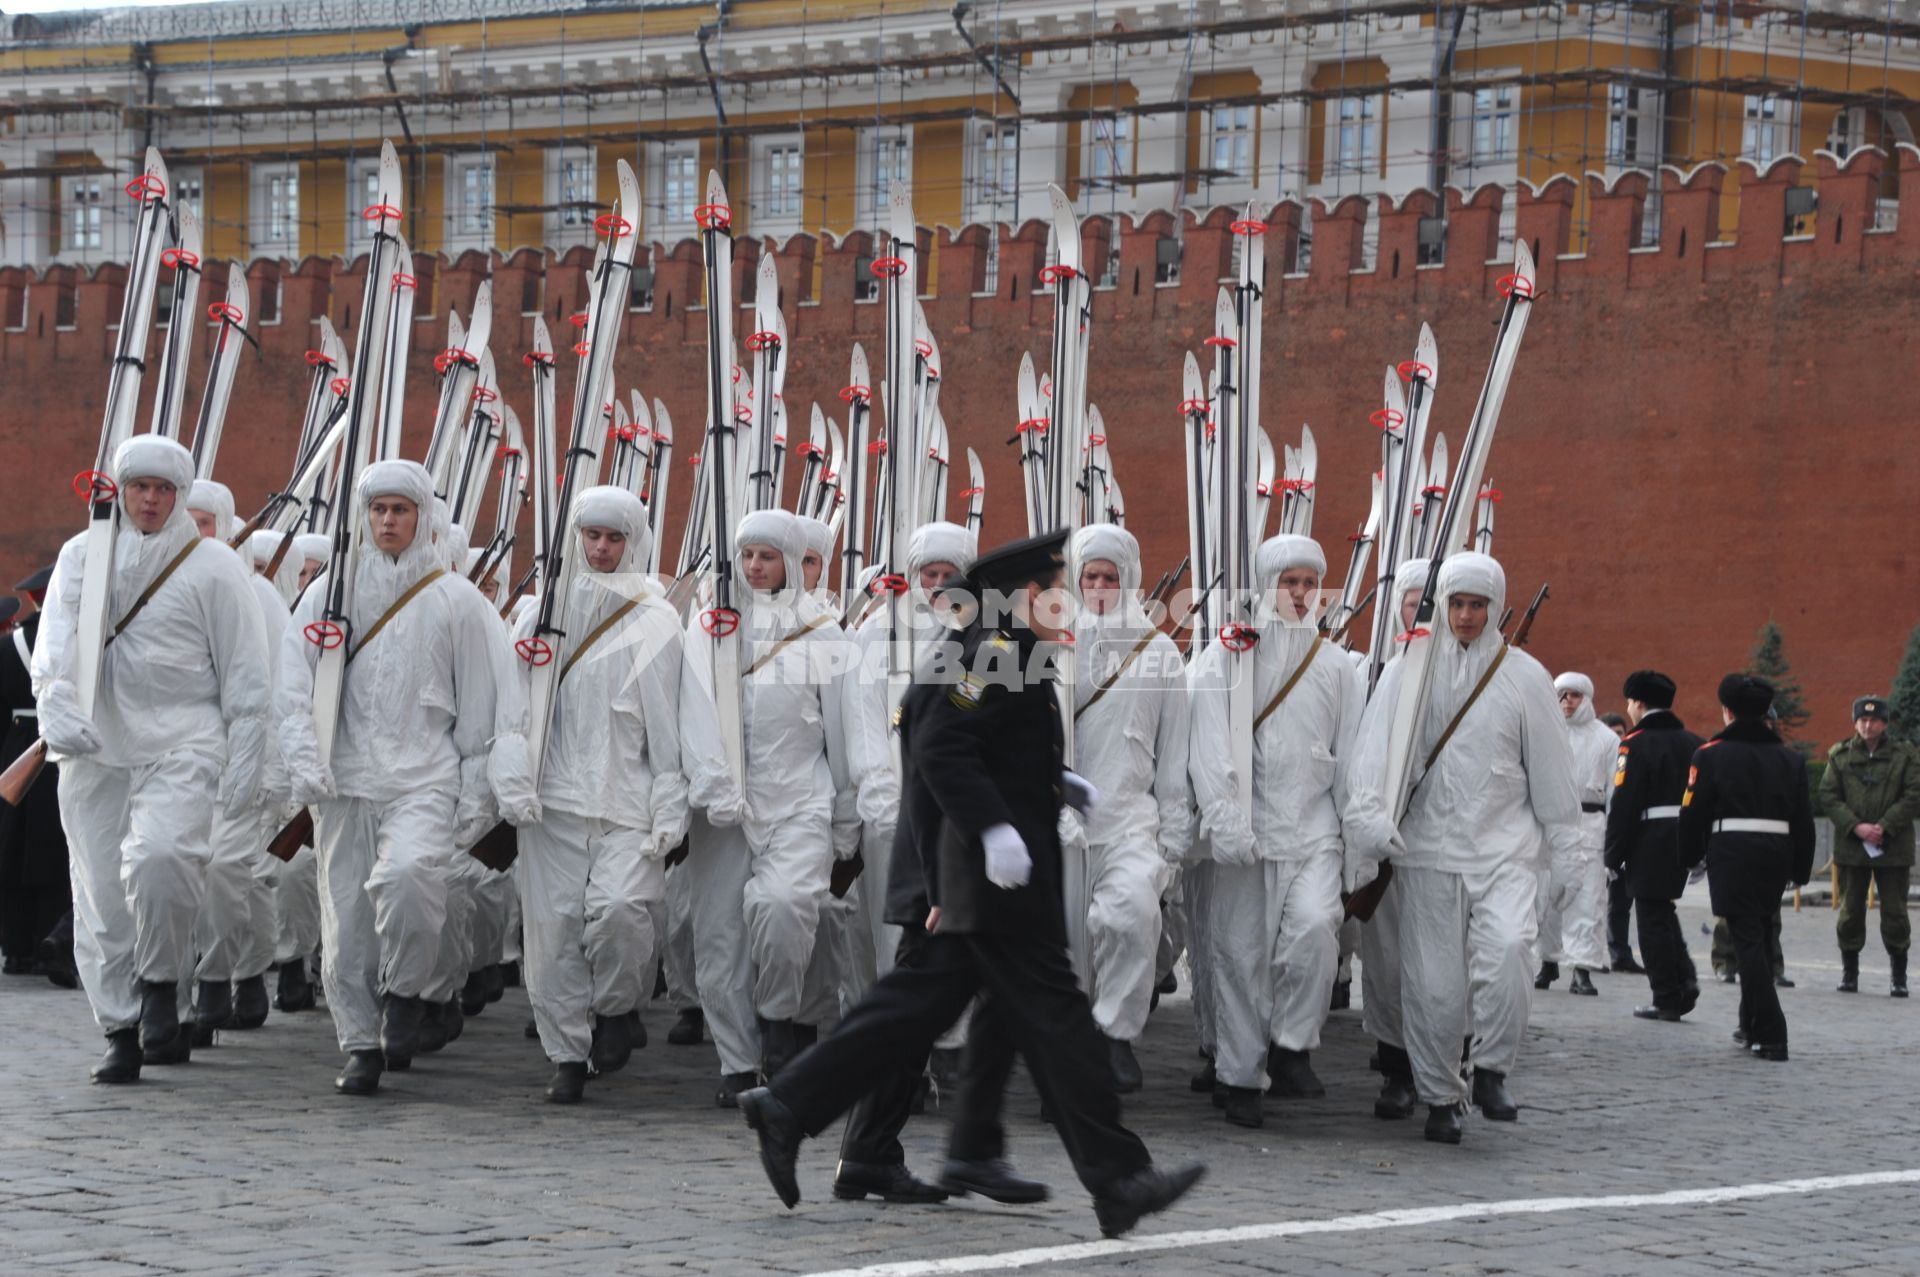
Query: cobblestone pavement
point(245, 1161)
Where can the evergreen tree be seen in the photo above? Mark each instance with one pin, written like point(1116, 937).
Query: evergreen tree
point(1769, 661)
point(1904, 700)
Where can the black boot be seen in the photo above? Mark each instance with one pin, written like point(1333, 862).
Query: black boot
point(1342, 995)
point(497, 980)
point(1126, 1070)
point(509, 979)
point(1290, 1075)
point(780, 1137)
point(433, 1027)
point(1897, 982)
point(1443, 1123)
point(1397, 1095)
point(400, 1029)
point(532, 1031)
point(688, 1028)
point(159, 1015)
point(1491, 1098)
point(1549, 972)
point(473, 996)
point(361, 1076)
point(121, 1060)
point(1203, 1082)
point(249, 1002)
point(778, 1046)
point(994, 1179)
point(454, 1019)
point(1850, 972)
point(1244, 1106)
point(1582, 984)
point(213, 1006)
point(569, 1082)
point(612, 1043)
point(293, 991)
point(637, 1029)
point(731, 1085)
point(891, 1182)
point(1147, 1191)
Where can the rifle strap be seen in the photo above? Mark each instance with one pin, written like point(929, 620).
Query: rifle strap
point(1453, 726)
point(1114, 677)
point(1286, 688)
point(153, 588)
point(595, 635)
point(781, 646)
point(393, 610)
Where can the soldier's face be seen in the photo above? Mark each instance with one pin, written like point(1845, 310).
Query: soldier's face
point(603, 547)
point(309, 570)
point(1100, 586)
point(1466, 616)
point(1570, 702)
point(1870, 729)
point(810, 567)
point(1297, 590)
point(392, 521)
point(148, 502)
point(1410, 609)
point(764, 567)
point(206, 522)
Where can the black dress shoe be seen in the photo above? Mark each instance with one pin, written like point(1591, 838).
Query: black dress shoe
point(569, 1082)
point(1728, 977)
point(400, 1028)
point(1628, 966)
point(473, 994)
point(778, 1046)
point(856, 1181)
point(1775, 1051)
point(1783, 982)
point(120, 1062)
point(1491, 1098)
point(1897, 974)
point(993, 1179)
point(688, 1028)
point(1443, 1123)
point(433, 1028)
point(1549, 972)
point(1582, 983)
point(293, 991)
point(159, 1014)
point(361, 1076)
point(1657, 1013)
point(1147, 1191)
point(1126, 1069)
point(1203, 1082)
point(612, 1044)
point(249, 1002)
point(780, 1137)
point(213, 1005)
point(1396, 1099)
point(1290, 1075)
point(1244, 1106)
point(1740, 1038)
point(731, 1085)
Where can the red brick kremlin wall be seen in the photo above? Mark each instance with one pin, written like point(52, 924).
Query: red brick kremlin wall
point(1698, 434)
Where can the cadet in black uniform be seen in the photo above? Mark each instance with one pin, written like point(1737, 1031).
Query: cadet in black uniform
point(35, 894)
point(1643, 827)
point(1748, 815)
point(981, 790)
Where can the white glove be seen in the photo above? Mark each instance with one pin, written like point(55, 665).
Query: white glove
point(68, 732)
point(1230, 834)
point(1079, 792)
point(725, 812)
point(307, 786)
point(669, 827)
point(1008, 864)
point(240, 780)
point(1358, 872)
point(510, 773)
point(1072, 830)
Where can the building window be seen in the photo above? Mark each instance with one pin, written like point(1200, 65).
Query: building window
point(186, 191)
point(470, 201)
point(996, 164)
point(1769, 129)
point(1110, 147)
point(1848, 132)
point(276, 202)
point(1230, 143)
point(85, 214)
point(1357, 143)
point(681, 185)
point(363, 192)
point(889, 160)
point(783, 169)
point(1492, 125)
point(570, 189)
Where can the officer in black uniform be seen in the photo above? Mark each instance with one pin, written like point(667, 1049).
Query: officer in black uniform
point(35, 890)
point(981, 790)
point(1643, 828)
point(1747, 813)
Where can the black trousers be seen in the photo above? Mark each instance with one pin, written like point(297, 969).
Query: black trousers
point(873, 1129)
point(1663, 951)
point(1760, 1015)
point(1619, 910)
point(29, 915)
point(1030, 983)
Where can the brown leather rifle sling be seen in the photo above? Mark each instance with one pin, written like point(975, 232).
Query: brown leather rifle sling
point(1280, 696)
point(595, 635)
point(394, 610)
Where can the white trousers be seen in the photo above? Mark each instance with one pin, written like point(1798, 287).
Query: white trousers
point(1380, 969)
point(1119, 928)
point(1275, 949)
point(820, 992)
point(1196, 898)
point(781, 905)
point(589, 933)
point(493, 910)
point(137, 840)
point(455, 960)
point(1465, 948)
point(235, 931)
point(384, 872)
point(717, 867)
point(676, 926)
point(1573, 904)
point(296, 905)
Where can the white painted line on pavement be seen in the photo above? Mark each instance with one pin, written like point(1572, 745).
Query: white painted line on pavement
point(1411, 1217)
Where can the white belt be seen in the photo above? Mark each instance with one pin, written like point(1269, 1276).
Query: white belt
point(1746, 825)
point(1660, 813)
point(25, 713)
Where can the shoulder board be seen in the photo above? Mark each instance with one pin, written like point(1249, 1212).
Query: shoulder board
point(1709, 744)
point(1630, 735)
